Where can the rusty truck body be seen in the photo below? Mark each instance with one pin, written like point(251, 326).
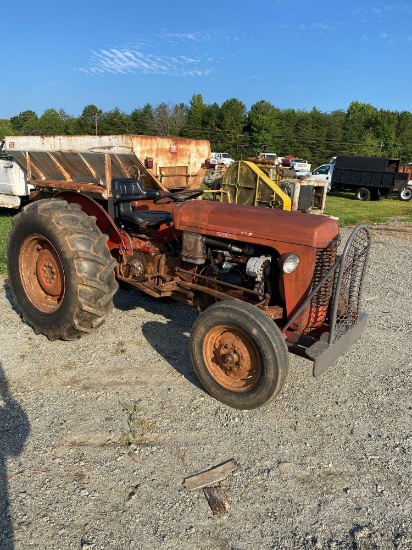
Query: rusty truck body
point(32, 163)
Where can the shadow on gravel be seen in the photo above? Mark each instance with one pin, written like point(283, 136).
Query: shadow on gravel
point(14, 430)
point(170, 340)
point(9, 296)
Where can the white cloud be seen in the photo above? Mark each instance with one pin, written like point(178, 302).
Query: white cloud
point(130, 61)
point(148, 58)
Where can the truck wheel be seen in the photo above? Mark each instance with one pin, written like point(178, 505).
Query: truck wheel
point(405, 194)
point(363, 194)
point(238, 354)
point(60, 269)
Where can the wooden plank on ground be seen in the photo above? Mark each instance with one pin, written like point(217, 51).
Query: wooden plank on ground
point(214, 475)
point(217, 500)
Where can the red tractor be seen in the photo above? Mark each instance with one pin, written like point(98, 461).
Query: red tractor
point(264, 281)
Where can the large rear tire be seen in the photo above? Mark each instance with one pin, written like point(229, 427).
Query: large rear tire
point(61, 271)
point(238, 354)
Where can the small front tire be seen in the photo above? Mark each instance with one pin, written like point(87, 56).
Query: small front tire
point(239, 354)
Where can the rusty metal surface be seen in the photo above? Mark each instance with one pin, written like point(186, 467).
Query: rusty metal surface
point(231, 358)
point(406, 169)
point(177, 162)
point(255, 225)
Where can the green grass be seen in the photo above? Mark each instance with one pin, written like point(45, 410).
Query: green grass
point(353, 212)
point(5, 226)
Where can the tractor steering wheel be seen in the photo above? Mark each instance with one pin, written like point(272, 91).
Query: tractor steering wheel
point(177, 196)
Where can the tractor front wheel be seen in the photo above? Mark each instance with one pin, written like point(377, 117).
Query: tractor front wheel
point(61, 271)
point(238, 354)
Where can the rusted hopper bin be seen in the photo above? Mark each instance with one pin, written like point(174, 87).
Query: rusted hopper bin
point(162, 162)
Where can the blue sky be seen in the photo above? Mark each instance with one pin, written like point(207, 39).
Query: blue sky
point(294, 54)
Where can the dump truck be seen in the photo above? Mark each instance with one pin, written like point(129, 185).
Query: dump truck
point(266, 282)
point(165, 163)
point(370, 178)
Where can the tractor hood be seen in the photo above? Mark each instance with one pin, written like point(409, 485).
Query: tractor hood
point(254, 225)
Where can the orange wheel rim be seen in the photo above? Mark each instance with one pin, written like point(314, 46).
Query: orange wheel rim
point(231, 358)
point(41, 273)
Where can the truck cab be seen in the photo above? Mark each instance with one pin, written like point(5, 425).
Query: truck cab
point(324, 173)
point(13, 181)
point(220, 158)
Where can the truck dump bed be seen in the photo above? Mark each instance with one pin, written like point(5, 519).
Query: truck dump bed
point(88, 163)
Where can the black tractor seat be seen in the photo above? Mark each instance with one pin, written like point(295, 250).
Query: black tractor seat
point(127, 190)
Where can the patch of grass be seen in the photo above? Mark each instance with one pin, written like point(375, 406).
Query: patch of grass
point(5, 226)
point(209, 194)
point(138, 427)
point(353, 212)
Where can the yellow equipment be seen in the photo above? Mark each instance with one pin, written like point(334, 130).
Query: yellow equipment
point(254, 184)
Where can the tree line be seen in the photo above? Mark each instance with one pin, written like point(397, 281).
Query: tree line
point(312, 135)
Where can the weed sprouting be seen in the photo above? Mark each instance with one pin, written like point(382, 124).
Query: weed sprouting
point(138, 427)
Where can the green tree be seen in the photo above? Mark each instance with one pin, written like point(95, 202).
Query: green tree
point(359, 129)
point(404, 136)
point(113, 122)
point(6, 128)
point(263, 125)
point(233, 121)
point(26, 122)
point(51, 123)
point(88, 121)
point(384, 129)
point(142, 120)
point(195, 118)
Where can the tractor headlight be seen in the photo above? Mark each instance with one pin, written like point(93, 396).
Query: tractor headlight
point(289, 262)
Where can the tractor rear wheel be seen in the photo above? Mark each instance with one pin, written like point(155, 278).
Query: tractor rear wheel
point(238, 354)
point(60, 269)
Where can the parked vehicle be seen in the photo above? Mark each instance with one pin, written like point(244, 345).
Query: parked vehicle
point(300, 165)
point(368, 177)
point(265, 281)
point(324, 173)
point(219, 158)
point(165, 163)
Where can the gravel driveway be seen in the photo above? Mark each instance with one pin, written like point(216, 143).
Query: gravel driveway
point(97, 435)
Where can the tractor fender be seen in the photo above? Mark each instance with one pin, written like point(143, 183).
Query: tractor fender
point(117, 239)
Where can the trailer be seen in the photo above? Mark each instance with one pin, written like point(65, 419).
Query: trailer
point(37, 165)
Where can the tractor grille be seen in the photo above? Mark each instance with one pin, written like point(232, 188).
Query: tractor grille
point(325, 258)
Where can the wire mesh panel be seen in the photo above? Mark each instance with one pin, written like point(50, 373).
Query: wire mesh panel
point(349, 282)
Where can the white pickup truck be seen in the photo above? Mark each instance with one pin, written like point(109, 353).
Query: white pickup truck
point(220, 158)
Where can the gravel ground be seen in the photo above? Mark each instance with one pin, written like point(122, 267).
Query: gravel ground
point(327, 465)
